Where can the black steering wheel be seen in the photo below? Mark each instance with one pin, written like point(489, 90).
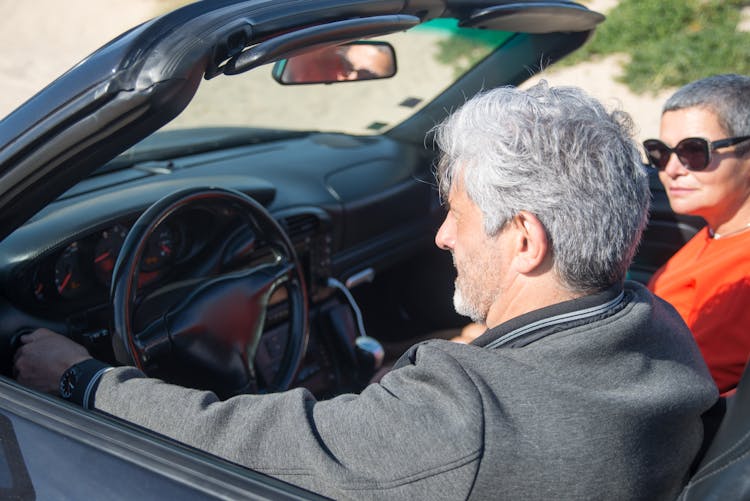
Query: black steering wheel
point(208, 338)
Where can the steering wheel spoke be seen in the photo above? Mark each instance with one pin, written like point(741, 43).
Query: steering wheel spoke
point(152, 342)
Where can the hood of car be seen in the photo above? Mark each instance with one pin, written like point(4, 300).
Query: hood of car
point(146, 77)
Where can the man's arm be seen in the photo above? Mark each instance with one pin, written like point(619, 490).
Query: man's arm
point(402, 438)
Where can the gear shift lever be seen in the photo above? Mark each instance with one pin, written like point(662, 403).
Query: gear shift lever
point(370, 351)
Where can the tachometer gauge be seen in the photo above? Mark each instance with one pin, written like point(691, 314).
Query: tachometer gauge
point(106, 251)
point(160, 249)
point(69, 277)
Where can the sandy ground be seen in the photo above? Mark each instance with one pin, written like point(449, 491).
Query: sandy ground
point(599, 79)
point(40, 39)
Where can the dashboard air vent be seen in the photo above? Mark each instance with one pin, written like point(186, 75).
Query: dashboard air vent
point(300, 226)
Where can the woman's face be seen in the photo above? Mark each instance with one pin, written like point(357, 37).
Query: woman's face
point(715, 193)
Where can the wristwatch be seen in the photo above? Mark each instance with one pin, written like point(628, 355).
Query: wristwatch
point(78, 384)
point(69, 380)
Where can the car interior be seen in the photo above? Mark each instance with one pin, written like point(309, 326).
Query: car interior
point(334, 248)
point(151, 236)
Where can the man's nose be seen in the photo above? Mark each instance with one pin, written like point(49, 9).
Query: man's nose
point(445, 236)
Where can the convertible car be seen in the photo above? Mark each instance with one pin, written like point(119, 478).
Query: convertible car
point(261, 167)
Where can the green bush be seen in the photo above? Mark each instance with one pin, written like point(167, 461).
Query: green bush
point(671, 42)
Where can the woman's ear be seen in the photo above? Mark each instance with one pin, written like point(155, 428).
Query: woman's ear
point(532, 244)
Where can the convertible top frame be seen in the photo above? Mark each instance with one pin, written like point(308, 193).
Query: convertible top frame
point(147, 76)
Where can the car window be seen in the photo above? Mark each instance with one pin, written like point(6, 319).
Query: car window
point(430, 57)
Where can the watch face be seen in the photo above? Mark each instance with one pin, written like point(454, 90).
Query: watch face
point(68, 382)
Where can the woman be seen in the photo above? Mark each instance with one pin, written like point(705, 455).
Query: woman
point(703, 158)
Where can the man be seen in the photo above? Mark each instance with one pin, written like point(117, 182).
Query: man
point(368, 61)
point(706, 124)
point(584, 387)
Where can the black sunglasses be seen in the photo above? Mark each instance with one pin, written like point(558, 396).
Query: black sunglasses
point(694, 152)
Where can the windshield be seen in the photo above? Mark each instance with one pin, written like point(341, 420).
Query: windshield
point(430, 57)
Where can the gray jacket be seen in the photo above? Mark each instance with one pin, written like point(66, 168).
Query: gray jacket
point(595, 398)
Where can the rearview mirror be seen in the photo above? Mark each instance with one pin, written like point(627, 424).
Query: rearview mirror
point(365, 60)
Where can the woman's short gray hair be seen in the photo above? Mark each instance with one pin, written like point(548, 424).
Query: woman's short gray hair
point(558, 154)
point(727, 95)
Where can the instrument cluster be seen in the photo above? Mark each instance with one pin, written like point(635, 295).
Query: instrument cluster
point(84, 267)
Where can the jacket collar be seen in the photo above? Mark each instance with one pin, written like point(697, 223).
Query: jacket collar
point(534, 325)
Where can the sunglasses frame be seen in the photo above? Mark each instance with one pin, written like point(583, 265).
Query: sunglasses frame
point(708, 146)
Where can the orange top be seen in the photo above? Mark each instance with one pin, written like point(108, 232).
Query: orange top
point(708, 282)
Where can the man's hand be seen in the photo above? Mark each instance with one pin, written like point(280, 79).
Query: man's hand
point(43, 357)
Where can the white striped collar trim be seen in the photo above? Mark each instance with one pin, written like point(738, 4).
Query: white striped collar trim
point(557, 319)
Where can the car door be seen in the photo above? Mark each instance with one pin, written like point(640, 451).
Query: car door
point(54, 450)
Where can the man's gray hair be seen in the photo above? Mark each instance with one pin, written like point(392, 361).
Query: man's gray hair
point(727, 96)
point(558, 154)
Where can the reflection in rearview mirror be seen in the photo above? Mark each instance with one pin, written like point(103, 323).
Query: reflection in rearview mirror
point(365, 60)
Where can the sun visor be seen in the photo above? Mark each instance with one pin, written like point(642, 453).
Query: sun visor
point(315, 37)
point(542, 17)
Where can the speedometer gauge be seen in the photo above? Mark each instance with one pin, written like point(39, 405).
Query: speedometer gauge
point(106, 251)
point(70, 280)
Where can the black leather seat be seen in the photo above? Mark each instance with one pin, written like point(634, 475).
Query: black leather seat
point(724, 470)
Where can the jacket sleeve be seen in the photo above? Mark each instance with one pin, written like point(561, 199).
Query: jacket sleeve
point(418, 433)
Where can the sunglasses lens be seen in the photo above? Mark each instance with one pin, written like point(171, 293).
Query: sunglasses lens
point(657, 153)
point(693, 153)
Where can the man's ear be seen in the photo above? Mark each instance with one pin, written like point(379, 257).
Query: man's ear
point(532, 244)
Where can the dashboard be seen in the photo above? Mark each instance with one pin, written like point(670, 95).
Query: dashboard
point(347, 204)
point(197, 242)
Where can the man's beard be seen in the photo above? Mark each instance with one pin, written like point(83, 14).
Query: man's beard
point(464, 306)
